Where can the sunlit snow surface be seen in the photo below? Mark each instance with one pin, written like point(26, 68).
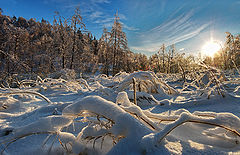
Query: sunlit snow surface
point(96, 115)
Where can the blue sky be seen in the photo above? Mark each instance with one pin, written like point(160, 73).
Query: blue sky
point(148, 23)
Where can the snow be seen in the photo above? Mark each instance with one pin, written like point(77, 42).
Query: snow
point(97, 115)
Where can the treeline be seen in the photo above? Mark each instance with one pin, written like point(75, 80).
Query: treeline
point(30, 46)
point(168, 60)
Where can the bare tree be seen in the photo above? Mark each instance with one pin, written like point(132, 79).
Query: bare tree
point(105, 51)
point(118, 42)
point(76, 23)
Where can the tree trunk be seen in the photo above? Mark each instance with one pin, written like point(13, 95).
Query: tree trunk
point(74, 43)
point(63, 59)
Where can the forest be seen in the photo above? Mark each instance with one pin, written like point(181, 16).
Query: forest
point(30, 46)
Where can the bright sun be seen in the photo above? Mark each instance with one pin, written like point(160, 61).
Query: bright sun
point(210, 48)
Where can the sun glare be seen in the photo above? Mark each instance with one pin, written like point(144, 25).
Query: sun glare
point(210, 48)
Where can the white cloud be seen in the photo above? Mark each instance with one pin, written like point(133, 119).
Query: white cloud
point(87, 7)
point(108, 25)
point(100, 1)
point(95, 15)
point(143, 49)
point(181, 49)
point(107, 20)
point(104, 20)
point(172, 31)
point(129, 28)
point(93, 12)
point(122, 16)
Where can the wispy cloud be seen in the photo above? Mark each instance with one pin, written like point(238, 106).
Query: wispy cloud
point(104, 20)
point(100, 1)
point(108, 22)
point(122, 16)
point(130, 28)
point(95, 15)
point(181, 49)
point(85, 6)
point(93, 12)
point(143, 49)
point(172, 31)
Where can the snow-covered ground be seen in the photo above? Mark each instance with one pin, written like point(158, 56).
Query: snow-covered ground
point(97, 115)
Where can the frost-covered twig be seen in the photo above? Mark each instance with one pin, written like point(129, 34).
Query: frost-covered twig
point(214, 79)
point(133, 109)
point(26, 92)
point(4, 84)
point(84, 82)
point(9, 142)
point(29, 82)
point(134, 90)
point(234, 64)
point(151, 82)
point(187, 117)
point(47, 125)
